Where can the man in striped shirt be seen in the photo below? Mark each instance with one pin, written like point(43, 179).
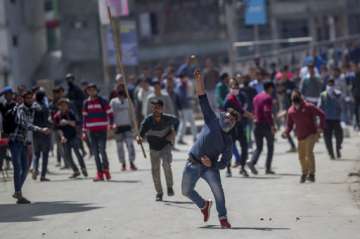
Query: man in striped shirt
point(97, 119)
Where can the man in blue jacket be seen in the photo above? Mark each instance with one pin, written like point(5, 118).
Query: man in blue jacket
point(330, 103)
point(214, 140)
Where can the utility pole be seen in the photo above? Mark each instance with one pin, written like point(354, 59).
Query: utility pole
point(230, 19)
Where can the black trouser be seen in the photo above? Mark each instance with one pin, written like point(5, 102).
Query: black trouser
point(240, 135)
point(262, 131)
point(88, 145)
point(74, 144)
point(41, 149)
point(98, 144)
point(60, 150)
point(333, 127)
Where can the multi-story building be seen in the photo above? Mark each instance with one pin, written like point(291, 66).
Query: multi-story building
point(322, 20)
point(173, 29)
point(22, 40)
point(80, 42)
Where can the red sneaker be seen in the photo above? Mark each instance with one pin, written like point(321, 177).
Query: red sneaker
point(225, 224)
point(99, 177)
point(106, 173)
point(133, 167)
point(206, 210)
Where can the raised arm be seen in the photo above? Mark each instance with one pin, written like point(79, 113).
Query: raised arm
point(208, 113)
point(199, 84)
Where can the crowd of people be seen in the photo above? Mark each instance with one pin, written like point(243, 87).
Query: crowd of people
point(247, 107)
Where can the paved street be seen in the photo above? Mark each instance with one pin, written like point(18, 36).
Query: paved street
point(259, 207)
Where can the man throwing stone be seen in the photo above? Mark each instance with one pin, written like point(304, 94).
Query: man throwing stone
point(214, 140)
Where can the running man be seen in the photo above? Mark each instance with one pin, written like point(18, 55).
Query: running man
point(303, 116)
point(160, 131)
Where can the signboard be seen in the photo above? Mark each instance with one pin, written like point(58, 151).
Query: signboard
point(129, 44)
point(118, 8)
point(255, 12)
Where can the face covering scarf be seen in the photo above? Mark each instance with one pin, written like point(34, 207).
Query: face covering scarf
point(234, 91)
point(225, 124)
point(330, 89)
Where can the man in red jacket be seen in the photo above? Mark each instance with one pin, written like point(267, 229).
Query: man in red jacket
point(97, 119)
point(303, 116)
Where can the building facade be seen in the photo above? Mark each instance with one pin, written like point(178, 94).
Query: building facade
point(80, 41)
point(22, 40)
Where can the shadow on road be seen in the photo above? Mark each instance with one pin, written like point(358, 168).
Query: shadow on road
point(289, 174)
point(69, 180)
point(256, 177)
point(129, 172)
point(216, 227)
point(178, 202)
point(31, 212)
point(124, 181)
point(333, 183)
point(347, 160)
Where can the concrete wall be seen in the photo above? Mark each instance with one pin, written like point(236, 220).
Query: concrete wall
point(80, 39)
point(3, 32)
point(26, 37)
point(4, 53)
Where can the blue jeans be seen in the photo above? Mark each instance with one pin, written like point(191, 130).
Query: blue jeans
point(192, 173)
point(241, 137)
point(20, 163)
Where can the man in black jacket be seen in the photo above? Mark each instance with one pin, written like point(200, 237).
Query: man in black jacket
point(7, 122)
point(160, 131)
point(42, 142)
